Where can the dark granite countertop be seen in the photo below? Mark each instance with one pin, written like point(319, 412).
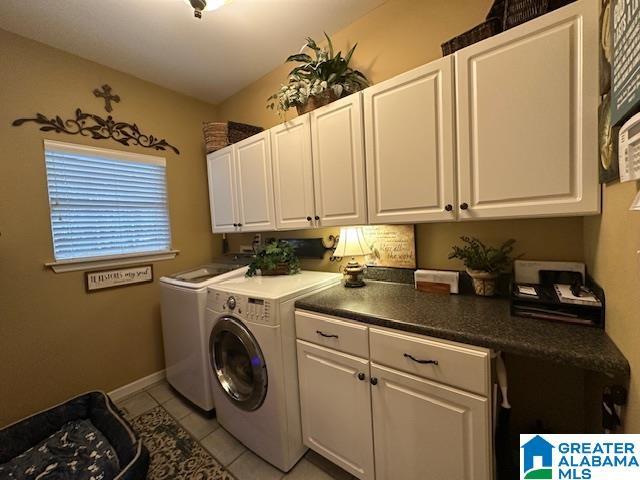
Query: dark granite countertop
point(485, 322)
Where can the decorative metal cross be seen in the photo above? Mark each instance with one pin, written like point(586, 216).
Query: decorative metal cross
point(108, 98)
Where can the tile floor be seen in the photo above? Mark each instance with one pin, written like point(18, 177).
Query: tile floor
point(242, 463)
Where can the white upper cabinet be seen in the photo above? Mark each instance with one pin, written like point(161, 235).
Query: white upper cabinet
point(254, 183)
point(513, 133)
point(409, 136)
point(528, 118)
point(293, 174)
point(338, 163)
point(222, 190)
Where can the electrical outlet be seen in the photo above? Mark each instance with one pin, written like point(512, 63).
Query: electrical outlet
point(257, 239)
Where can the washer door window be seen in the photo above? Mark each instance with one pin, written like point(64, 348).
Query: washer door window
point(238, 363)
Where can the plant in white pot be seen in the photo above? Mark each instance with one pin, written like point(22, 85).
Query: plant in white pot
point(483, 263)
point(317, 81)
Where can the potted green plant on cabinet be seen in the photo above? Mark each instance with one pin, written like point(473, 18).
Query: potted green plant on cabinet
point(318, 81)
point(275, 258)
point(483, 263)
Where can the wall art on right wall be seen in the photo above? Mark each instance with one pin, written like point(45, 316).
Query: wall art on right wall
point(625, 60)
point(607, 136)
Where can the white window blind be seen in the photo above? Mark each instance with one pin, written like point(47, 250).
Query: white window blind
point(105, 202)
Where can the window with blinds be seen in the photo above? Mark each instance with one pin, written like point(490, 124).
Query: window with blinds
point(106, 202)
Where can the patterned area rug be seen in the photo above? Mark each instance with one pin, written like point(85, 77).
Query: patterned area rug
point(175, 455)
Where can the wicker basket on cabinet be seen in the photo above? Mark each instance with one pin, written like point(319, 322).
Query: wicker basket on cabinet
point(218, 135)
point(486, 29)
point(517, 12)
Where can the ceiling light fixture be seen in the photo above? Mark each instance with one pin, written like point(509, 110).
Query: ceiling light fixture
point(200, 6)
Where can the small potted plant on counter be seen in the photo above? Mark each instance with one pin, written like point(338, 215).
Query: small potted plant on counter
point(483, 263)
point(275, 258)
point(318, 81)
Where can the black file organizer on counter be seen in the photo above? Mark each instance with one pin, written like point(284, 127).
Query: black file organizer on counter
point(549, 307)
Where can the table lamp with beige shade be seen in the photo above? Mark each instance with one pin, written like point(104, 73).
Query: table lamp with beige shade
point(352, 244)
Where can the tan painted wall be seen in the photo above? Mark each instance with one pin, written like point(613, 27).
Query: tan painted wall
point(611, 243)
point(395, 37)
point(56, 340)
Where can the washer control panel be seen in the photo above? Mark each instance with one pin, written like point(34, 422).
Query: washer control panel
point(252, 309)
point(258, 310)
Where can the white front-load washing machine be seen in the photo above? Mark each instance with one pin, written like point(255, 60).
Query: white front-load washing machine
point(183, 299)
point(252, 351)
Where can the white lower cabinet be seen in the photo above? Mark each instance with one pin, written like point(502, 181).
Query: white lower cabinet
point(378, 422)
point(336, 410)
point(427, 431)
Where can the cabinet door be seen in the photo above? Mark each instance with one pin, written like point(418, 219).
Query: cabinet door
point(336, 407)
point(410, 146)
point(293, 174)
point(338, 163)
point(222, 190)
point(427, 431)
point(528, 118)
point(255, 183)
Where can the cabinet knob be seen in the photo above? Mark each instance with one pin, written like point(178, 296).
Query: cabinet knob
point(235, 224)
point(239, 224)
point(374, 381)
point(317, 217)
point(464, 206)
point(361, 376)
point(448, 207)
point(309, 219)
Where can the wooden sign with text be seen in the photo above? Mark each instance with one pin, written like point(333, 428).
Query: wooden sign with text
point(118, 277)
point(392, 245)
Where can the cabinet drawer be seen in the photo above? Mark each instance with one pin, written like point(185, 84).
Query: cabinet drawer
point(332, 333)
point(451, 364)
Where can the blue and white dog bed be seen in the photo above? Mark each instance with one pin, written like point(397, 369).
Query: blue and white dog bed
point(84, 438)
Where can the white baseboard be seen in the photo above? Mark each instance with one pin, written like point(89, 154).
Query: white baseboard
point(136, 386)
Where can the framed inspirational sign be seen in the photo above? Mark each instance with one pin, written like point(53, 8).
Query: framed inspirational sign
point(391, 245)
point(119, 277)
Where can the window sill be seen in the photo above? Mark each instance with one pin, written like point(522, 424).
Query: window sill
point(110, 261)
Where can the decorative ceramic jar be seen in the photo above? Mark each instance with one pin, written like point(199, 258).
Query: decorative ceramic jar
point(484, 283)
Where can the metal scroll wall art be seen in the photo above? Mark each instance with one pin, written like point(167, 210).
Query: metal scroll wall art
point(98, 127)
